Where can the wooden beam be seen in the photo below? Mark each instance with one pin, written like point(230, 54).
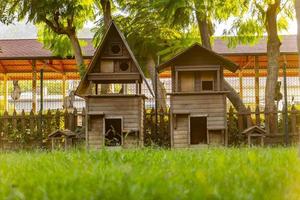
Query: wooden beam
point(256, 70)
point(62, 66)
point(2, 67)
point(49, 65)
point(5, 92)
point(64, 86)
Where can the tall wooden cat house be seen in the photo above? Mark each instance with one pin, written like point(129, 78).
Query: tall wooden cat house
point(111, 88)
point(198, 98)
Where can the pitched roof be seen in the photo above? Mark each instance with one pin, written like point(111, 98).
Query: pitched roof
point(253, 129)
point(31, 48)
point(198, 53)
point(98, 52)
point(59, 133)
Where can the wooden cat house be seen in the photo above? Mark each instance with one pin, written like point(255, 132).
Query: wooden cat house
point(111, 88)
point(198, 98)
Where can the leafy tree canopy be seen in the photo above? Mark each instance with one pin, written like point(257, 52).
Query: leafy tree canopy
point(250, 27)
point(56, 19)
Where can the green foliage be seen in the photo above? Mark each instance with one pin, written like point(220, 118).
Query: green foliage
point(7, 11)
point(249, 27)
point(152, 174)
point(60, 45)
point(58, 21)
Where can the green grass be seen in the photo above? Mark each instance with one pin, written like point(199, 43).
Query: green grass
point(152, 174)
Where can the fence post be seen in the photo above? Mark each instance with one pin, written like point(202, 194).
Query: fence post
point(14, 120)
point(39, 124)
point(66, 121)
point(248, 117)
point(48, 122)
point(294, 120)
point(83, 125)
point(241, 121)
point(161, 125)
point(5, 123)
point(230, 118)
point(72, 119)
point(31, 122)
point(257, 116)
point(23, 122)
point(57, 120)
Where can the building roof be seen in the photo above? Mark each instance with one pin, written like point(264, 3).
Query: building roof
point(32, 48)
point(16, 57)
point(288, 46)
point(18, 49)
point(197, 54)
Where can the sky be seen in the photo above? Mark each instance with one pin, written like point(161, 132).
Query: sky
point(22, 30)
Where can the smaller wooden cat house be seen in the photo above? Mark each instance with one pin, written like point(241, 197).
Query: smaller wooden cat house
point(62, 139)
point(255, 136)
point(112, 90)
point(198, 99)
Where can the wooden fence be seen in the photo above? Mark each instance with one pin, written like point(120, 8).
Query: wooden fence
point(237, 122)
point(31, 130)
point(157, 133)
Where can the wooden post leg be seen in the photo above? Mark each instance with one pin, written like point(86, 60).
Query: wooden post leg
point(241, 83)
point(34, 78)
point(5, 93)
point(63, 89)
point(256, 82)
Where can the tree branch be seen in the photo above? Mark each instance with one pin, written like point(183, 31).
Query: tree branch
point(56, 29)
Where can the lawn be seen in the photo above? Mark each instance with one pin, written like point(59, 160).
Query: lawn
point(152, 174)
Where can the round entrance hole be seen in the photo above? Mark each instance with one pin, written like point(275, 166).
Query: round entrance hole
point(115, 49)
point(124, 66)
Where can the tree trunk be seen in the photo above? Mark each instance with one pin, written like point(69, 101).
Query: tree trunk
point(161, 91)
point(203, 30)
point(106, 8)
point(233, 96)
point(77, 52)
point(273, 53)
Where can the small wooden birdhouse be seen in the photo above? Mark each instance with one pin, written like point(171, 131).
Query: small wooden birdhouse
point(198, 97)
point(255, 136)
point(62, 139)
point(111, 88)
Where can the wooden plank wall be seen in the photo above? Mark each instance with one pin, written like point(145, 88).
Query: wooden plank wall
point(95, 132)
point(211, 105)
point(130, 109)
point(181, 136)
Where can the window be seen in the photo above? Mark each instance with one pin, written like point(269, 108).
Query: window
point(107, 66)
point(187, 81)
point(207, 85)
